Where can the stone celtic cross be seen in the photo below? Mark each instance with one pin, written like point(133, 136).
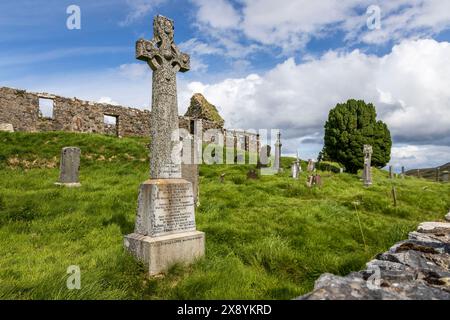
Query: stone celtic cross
point(165, 59)
point(165, 231)
point(367, 174)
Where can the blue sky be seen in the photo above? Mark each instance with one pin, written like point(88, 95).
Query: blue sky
point(264, 63)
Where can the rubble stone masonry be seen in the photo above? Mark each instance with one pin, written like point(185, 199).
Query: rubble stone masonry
point(21, 109)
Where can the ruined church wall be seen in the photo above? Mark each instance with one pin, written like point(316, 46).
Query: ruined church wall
point(21, 109)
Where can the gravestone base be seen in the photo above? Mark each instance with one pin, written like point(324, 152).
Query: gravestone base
point(160, 253)
point(165, 231)
point(68, 185)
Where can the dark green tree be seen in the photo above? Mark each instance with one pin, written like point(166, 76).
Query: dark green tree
point(350, 126)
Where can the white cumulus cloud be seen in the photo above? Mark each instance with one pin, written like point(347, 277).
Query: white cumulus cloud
point(409, 87)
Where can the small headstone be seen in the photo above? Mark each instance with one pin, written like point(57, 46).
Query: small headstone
point(318, 180)
point(189, 166)
point(447, 216)
point(69, 167)
point(310, 181)
point(6, 127)
point(222, 177)
point(190, 172)
point(252, 174)
point(310, 167)
point(445, 176)
point(314, 180)
point(341, 170)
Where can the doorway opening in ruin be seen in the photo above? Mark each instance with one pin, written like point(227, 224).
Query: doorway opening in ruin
point(111, 123)
point(46, 108)
point(192, 127)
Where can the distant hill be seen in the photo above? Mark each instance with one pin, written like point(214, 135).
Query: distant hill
point(428, 173)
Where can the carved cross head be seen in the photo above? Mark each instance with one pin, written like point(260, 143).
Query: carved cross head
point(161, 51)
point(367, 150)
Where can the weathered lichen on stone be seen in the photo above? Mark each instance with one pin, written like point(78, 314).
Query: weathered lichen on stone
point(413, 269)
point(162, 50)
point(165, 59)
point(200, 108)
point(165, 229)
point(69, 167)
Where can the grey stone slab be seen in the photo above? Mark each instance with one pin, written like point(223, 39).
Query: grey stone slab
point(190, 172)
point(165, 206)
point(69, 167)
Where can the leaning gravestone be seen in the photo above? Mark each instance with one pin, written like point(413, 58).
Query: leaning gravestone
point(69, 167)
point(367, 173)
point(445, 176)
point(6, 127)
point(310, 167)
point(165, 231)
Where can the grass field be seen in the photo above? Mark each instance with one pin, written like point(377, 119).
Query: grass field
point(265, 239)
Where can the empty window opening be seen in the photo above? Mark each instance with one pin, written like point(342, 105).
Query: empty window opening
point(46, 108)
point(111, 124)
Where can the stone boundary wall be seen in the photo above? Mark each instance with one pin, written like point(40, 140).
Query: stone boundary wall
point(414, 269)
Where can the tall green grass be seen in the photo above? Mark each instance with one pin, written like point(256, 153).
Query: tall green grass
point(265, 239)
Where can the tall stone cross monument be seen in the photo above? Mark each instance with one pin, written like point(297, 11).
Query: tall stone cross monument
point(165, 231)
point(367, 173)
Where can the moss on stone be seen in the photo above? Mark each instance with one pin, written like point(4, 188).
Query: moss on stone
point(200, 108)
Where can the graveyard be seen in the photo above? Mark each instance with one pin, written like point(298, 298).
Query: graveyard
point(266, 238)
point(155, 184)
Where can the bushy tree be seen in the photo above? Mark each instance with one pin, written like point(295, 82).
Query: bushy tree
point(350, 126)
